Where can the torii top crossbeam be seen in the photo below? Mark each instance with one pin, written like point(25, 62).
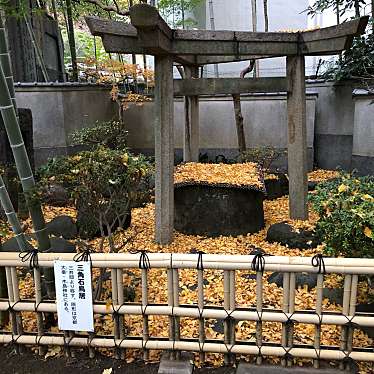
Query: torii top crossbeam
point(149, 34)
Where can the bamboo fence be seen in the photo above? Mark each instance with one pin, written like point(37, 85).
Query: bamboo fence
point(229, 312)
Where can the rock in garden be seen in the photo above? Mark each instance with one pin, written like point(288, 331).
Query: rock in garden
point(276, 187)
point(11, 245)
point(334, 295)
point(312, 185)
point(219, 326)
point(366, 308)
point(129, 294)
point(284, 234)
point(60, 245)
point(63, 226)
point(256, 251)
point(56, 195)
point(301, 279)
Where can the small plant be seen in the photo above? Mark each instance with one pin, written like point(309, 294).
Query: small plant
point(346, 210)
point(111, 134)
point(104, 184)
point(263, 156)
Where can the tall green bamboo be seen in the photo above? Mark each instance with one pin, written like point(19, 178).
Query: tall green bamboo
point(11, 124)
point(11, 215)
point(15, 224)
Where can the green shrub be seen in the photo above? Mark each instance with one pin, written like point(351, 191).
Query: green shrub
point(103, 182)
point(263, 156)
point(346, 210)
point(111, 134)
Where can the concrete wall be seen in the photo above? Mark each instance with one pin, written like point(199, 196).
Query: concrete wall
point(265, 123)
point(58, 110)
point(340, 135)
point(334, 124)
point(363, 134)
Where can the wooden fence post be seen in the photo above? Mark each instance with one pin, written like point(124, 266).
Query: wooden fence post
point(164, 149)
point(297, 141)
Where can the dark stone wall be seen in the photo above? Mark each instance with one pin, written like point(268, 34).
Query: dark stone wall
point(25, 65)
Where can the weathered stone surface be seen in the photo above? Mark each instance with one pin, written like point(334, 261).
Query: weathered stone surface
point(60, 245)
point(284, 234)
point(335, 295)
point(212, 211)
point(245, 368)
point(184, 365)
point(11, 245)
point(56, 195)
point(63, 226)
point(301, 279)
point(366, 308)
point(276, 188)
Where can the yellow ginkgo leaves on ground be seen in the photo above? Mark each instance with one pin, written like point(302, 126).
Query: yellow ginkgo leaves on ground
point(246, 174)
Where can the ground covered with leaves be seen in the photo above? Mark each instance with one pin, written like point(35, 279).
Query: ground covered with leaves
point(140, 235)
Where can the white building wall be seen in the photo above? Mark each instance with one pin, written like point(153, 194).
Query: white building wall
point(283, 15)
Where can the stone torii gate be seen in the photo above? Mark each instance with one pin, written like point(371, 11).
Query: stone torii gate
point(149, 34)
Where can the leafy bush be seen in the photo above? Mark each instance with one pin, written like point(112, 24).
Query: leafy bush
point(111, 134)
point(104, 182)
point(263, 156)
point(346, 210)
point(356, 63)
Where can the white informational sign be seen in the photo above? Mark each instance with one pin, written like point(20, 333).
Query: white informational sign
point(74, 295)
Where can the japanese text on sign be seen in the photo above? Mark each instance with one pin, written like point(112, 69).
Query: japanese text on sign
point(74, 295)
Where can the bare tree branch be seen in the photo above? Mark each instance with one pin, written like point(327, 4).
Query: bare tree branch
point(248, 69)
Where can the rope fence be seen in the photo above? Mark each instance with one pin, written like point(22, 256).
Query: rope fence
point(173, 310)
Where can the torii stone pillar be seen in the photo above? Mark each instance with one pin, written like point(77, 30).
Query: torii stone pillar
point(297, 138)
point(164, 149)
point(191, 125)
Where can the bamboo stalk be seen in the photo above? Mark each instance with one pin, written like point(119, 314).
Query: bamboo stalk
point(11, 124)
point(144, 306)
point(326, 354)
point(226, 305)
point(200, 303)
point(176, 304)
point(5, 62)
point(171, 306)
point(346, 301)
point(38, 300)
point(116, 315)
point(259, 306)
point(291, 310)
point(352, 311)
point(274, 263)
point(190, 311)
point(319, 299)
point(13, 317)
point(232, 307)
point(120, 302)
point(285, 307)
point(101, 263)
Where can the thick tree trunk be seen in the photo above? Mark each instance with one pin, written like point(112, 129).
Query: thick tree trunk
point(239, 123)
point(71, 37)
